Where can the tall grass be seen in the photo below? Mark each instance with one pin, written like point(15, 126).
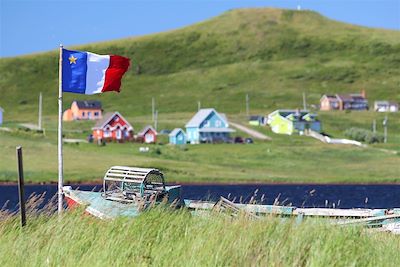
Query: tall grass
point(162, 237)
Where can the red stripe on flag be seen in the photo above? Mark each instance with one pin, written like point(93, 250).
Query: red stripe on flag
point(117, 68)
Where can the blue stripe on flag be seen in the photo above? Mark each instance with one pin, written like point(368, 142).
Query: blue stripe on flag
point(74, 68)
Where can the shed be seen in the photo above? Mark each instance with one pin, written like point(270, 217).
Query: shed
point(177, 137)
point(148, 135)
point(257, 120)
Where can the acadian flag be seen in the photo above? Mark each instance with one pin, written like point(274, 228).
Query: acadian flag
point(88, 73)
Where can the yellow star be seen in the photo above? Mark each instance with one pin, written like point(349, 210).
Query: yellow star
point(72, 59)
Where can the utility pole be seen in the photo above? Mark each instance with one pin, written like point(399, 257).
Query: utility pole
point(40, 112)
point(155, 119)
point(198, 105)
point(304, 102)
point(247, 105)
point(385, 122)
point(374, 126)
point(153, 107)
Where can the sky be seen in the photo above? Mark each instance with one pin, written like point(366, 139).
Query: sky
point(29, 26)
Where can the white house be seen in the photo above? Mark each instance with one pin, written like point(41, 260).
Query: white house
point(386, 106)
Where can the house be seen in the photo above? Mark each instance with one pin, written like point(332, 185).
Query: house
point(148, 135)
point(293, 121)
point(1, 115)
point(257, 120)
point(207, 125)
point(177, 137)
point(344, 102)
point(113, 127)
point(83, 110)
point(386, 106)
point(329, 102)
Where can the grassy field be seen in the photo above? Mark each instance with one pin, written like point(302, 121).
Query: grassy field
point(164, 238)
point(284, 159)
point(271, 54)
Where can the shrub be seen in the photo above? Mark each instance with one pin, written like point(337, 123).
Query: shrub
point(363, 135)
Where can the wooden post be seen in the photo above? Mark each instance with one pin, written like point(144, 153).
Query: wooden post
point(247, 105)
point(304, 102)
point(385, 122)
point(40, 111)
point(21, 192)
point(155, 120)
point(153, 107)
point(198, 105)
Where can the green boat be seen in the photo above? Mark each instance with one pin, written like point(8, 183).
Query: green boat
point(128, 191)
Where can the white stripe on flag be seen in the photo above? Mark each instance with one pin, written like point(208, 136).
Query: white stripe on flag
point(96, 72)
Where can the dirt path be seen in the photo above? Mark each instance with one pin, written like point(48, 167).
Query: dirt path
point(251, 132)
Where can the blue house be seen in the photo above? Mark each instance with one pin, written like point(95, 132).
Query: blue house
point(207, 126)
point(177, 137)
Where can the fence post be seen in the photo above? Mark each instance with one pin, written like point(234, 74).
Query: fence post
point(21, 187)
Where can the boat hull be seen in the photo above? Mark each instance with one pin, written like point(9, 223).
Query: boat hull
point(96, 205)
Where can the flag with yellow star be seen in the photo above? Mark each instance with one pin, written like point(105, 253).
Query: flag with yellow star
point(89, 73)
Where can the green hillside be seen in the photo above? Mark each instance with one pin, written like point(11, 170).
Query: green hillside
point(272, 54)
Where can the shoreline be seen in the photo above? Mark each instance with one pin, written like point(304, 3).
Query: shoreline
point(99, 182)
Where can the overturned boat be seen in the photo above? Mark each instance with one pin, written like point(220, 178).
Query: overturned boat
point(127, 191)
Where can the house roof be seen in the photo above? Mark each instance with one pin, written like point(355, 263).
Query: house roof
point(201, 115)
point(146, 129)
point(330, 97)
point(345, 97)
point(255, 117)
point(216, 130)
point(351, 97)
point(100, 124)
point(301, 114)
point(175, 132)
point(88, 104)
point(385, 102)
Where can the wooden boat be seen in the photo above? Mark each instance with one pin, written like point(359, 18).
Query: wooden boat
point(378, 219)
point(126, 192)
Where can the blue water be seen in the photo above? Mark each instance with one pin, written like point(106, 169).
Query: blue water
point(339, 196)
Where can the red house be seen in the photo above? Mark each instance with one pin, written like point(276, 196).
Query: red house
point(113, 127)
point(148, 135)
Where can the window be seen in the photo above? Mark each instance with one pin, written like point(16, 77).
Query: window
point(206, 123)
point(89, 114)
point(83, 114)
point(96, 114)
point(218, 123)
point(107, 132)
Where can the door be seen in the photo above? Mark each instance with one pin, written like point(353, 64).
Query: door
point(118, 134)
point(149, 138)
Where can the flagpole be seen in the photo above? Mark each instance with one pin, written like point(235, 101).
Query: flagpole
point(60, 141)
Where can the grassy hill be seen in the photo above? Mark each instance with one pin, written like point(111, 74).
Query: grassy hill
point(273, 55)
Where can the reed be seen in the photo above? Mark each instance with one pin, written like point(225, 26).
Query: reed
point(162, 237)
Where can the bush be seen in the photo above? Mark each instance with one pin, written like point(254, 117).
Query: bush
point(363, 135)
